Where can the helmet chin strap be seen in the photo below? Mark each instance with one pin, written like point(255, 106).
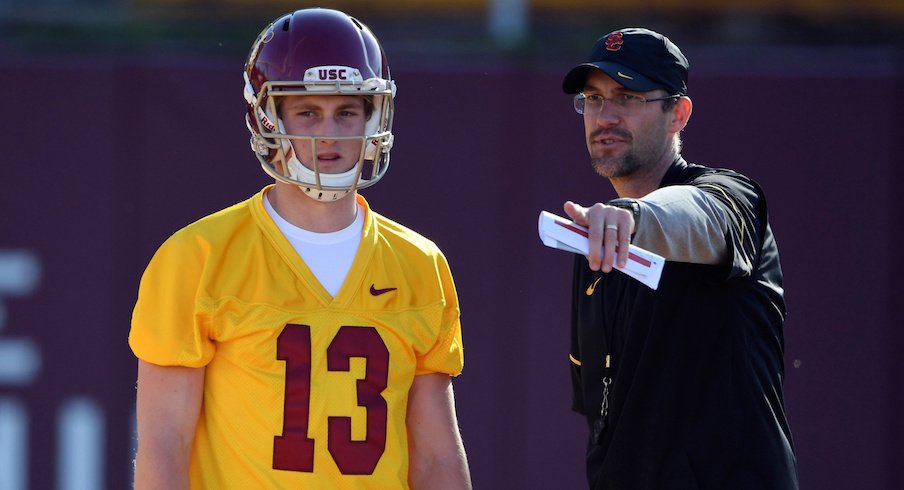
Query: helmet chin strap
point(346, 180)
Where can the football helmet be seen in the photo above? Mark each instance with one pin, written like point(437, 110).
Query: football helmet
point(318, 52)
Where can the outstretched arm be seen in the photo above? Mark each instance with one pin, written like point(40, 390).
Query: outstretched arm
point(684, 224)
point(681, 223)
point(438, 459)
point(169, 402)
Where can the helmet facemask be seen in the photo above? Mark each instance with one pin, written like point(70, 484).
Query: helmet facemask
point(273, 144)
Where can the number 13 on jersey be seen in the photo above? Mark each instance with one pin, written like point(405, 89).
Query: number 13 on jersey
point(294, 450)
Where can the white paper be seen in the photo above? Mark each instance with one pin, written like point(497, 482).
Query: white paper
point(563, 234)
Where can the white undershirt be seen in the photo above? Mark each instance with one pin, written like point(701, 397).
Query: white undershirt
point(328, 255)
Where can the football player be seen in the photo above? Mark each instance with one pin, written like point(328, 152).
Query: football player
point(298, 339)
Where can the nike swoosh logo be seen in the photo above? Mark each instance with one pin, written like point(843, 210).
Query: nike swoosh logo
point(592, 287)
point(376, 292)
point(624, 76)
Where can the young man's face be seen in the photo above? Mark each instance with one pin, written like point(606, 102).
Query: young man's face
point(327, 116)
point(621, 142)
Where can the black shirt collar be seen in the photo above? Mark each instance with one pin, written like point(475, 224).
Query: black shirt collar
point(674, 173)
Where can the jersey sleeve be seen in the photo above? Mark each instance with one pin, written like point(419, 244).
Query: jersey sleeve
point(170, 323)
point(447, 353)
point(744, 205)
point(716, 217)
point(683, 224)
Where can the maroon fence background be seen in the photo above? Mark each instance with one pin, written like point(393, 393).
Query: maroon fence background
point(104, 157)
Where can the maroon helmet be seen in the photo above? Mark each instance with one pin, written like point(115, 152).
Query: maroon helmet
point(318, 52)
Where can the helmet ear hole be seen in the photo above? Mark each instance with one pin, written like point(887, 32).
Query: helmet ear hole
point(367, 169)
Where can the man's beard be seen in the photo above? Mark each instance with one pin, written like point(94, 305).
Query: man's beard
point(616, 166)
point(611, 166)
point(642, 152)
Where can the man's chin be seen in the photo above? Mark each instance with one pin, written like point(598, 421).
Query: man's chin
point(613, 167)
point(606, 167)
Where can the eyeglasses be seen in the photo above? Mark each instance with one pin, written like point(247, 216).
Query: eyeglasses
point(621, 102)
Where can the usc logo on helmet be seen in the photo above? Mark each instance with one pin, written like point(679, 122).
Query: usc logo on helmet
point(332, 74)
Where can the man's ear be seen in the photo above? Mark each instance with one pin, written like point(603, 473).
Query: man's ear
point(681, 113)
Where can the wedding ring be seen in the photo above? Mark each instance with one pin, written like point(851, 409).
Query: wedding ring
point(612, 227)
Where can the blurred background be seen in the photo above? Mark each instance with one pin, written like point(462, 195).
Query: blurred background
point(123, 122)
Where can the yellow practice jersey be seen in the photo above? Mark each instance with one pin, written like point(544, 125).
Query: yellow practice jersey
point(302, 390)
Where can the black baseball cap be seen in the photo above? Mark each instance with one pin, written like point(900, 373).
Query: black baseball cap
point(639, 59)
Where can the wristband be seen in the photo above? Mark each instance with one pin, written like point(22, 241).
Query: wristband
point(630, 205)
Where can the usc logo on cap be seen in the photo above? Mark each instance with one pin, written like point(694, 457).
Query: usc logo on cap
point(614, 41)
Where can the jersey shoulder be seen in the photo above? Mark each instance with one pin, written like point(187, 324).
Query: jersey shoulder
point(401, 235)
point(217, 226)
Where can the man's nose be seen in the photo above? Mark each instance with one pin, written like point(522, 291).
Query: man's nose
point(607, 115)
point(327, 127)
